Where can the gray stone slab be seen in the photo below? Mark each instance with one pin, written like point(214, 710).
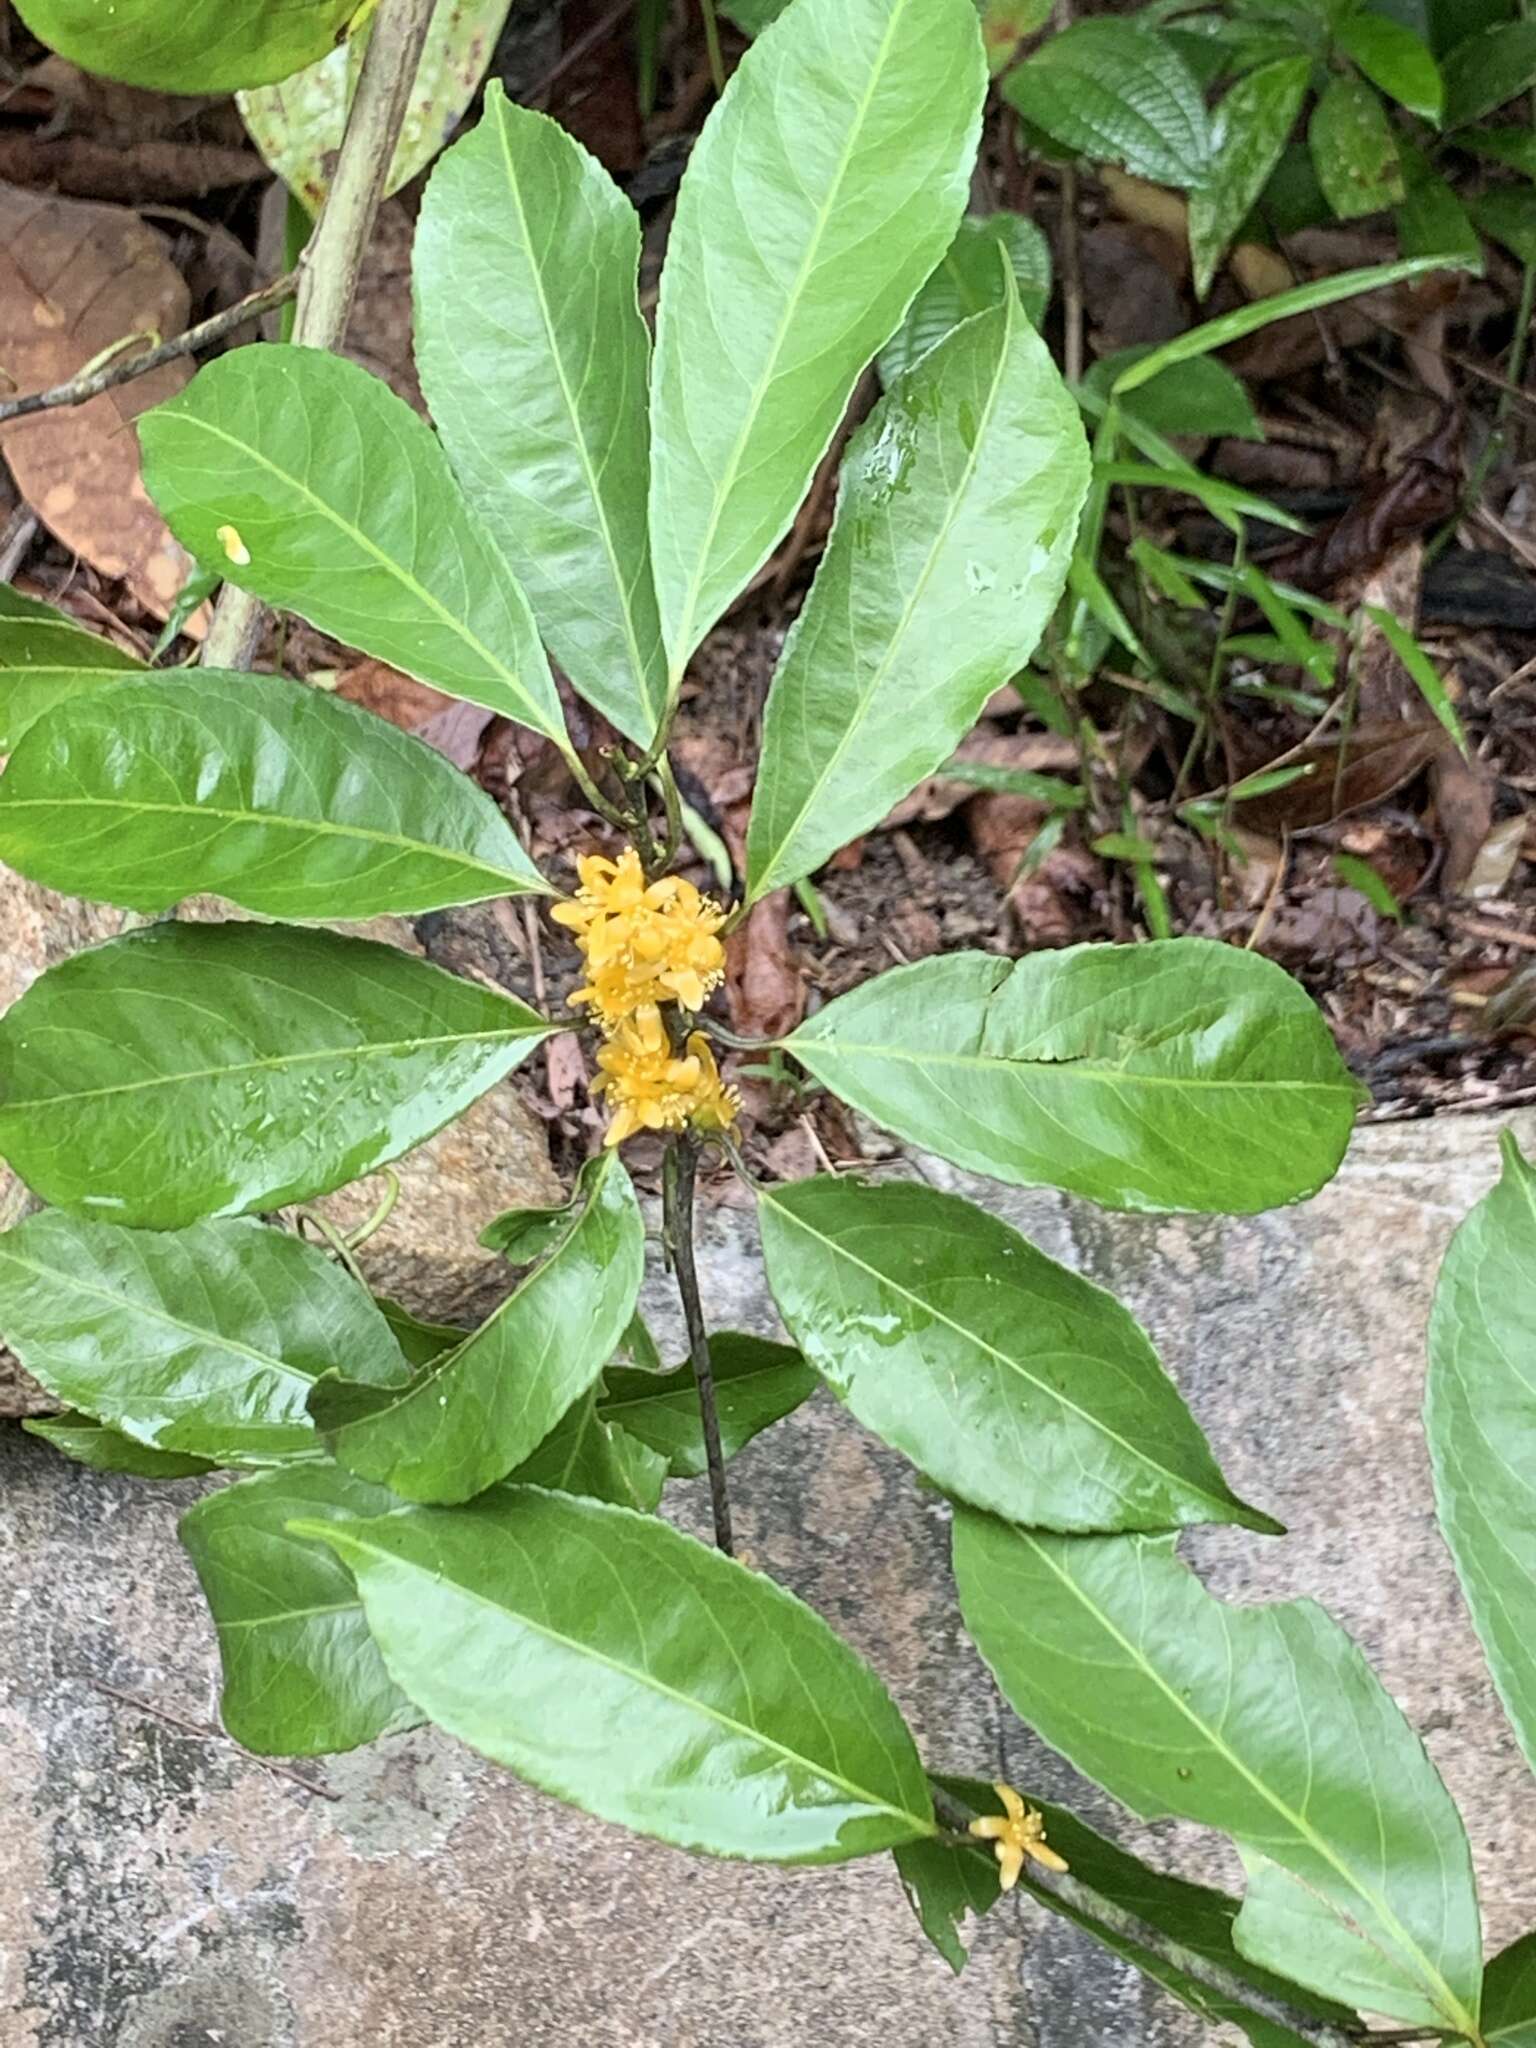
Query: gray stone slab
point(159, 1889)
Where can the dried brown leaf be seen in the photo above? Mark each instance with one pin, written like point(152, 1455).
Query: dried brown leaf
point(763, 988)
point(1347, 774)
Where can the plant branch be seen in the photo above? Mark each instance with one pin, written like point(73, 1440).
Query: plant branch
point(679, 1171)
point(91, 383)
point(333, 261)
point(1080, 1898)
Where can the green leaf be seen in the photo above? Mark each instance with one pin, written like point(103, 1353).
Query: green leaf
point(45, 658)
point(1480, 1417)
point(524, 1234)
point(1487, 70)
point(307, 481)
point(1395, 59)
point(1118, 93)
point(1359, 874)
point(285, 800)
point(199, 1069)
point(1248, 131)
point(420, 1342)
point(1192, 1915)
point(1010, 1381)
point(757, 1383)
point(970, 280)
point(1353, 150)
point(944, 1882)
point(1432, 221)
point(204, 1341)
point(1508, 215)
point(487, 1405)
point(1265, 1722)
point(1425, 675)
point(1509, 1996)
point(624, 1667)
point(538, 388)
point(298, 123)
point(1179, 1075)
point(955, 521)
point(301, 1674)
point(752, 16)
point(825, 187)
point(1513, 146)
point(193, 46)
point(105, 1449)
point(1200, 397)
point(586, 1455)
point(1245, 320)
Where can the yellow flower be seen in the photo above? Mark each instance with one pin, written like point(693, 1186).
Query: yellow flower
point(644, 943)
point(1020, 1834)
point(652, 1088)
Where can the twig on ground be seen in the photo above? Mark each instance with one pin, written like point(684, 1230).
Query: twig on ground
point(206, 1734)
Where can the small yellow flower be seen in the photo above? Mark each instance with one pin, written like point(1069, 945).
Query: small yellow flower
point(652, 1088)
point(1018, 1835)
point(644, 943)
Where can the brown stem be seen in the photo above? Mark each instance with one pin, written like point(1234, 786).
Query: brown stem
point(91, 383)
point(679, 1172)
point(334, 259)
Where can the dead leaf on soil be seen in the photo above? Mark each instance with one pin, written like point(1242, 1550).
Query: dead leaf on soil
point(1371, 763)
point(1042, 753)
point(1463, 794)
point(1496, 860)
point(73, 280)
point(1052, 900)
point(763, 988)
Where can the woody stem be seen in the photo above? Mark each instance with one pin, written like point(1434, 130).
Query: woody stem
point(679, 1171)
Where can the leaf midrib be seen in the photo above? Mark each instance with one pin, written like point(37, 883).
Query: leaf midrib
point(1452, 2007)
point(1072, 1066)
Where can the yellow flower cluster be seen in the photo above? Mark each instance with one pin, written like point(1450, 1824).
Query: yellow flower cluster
point(1021, 1834)
point(646, 944)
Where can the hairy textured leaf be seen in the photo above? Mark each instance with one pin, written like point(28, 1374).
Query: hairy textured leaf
point(584, 1454)
point(1480, 1417)
point(301, 1674)
point(204, 1341)
point(628, 1669)
point(106, 1449)
point(490, 1403)
point(198, 1070)
point(1394, 58)
point(1487, 70)
point(1248, 131)
point(825, 187)
point(1118, 93)
point(955, 521)
point(1353, 150)
point(1177, 1075)
point(972, 279)
point(45, 658)
point(757, 1383)
point(534, 358)
point(1265, 1722)
point(298, 123)
point(1509, 1996)
point(306, 480)
point(196, 46)
point(1010, 1381)
point(287, 801)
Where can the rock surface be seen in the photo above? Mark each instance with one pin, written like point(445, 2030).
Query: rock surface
point(159, 1889)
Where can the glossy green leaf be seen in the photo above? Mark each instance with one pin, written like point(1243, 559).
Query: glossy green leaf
point(306, 480)
point(192, 46)
point(199, 1069)
point(1509, 1996)
point(301, 1674)
point(628, 1669)
point(527, 1233)
point(1192, 1915)
point(955, 521)
point(1010, 1381)
point(486, 1406)
point(1249, 129)
point(1480, 1416)
point(1353, 150)
point(298, 123)
point(287, 801)
point(947, 1885)
point(971, 279)
point(586, 1455)
point(1179, 1075)
point(825, 187)
point(1513, 146)
point(1487, 70)
point(534, 359)
point(420, 1341)
point(1200, 397)
point(1395, 59)
point(1245, 320)
point(757, 1383)
point(105, 1449)
point(204, 1341)
point(45, 658)
point(1265, 1722)
point(1118, 93)
point(1508, 215)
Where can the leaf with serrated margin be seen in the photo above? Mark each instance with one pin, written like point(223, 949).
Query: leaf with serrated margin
point(1119, 93)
